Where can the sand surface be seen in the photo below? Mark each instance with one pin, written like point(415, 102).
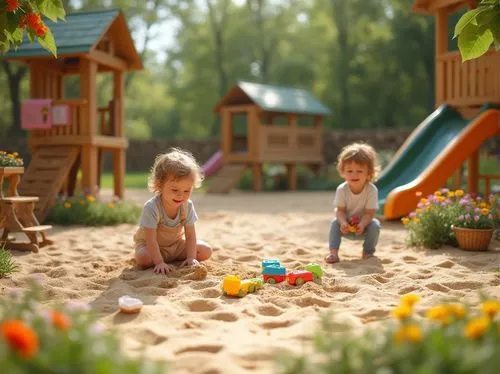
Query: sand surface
point(189, 321)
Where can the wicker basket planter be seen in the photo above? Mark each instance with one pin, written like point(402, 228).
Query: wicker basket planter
point(473, 239)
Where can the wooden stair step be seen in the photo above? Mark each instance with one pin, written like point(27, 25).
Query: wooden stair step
point(21, 199)
point(39, 228)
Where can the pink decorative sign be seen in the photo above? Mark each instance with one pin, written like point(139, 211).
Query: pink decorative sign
point(60, 115)
point(36, 114)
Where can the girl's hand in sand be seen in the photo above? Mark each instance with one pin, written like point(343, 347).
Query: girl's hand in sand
point(360, 229)
point(163, 268)
point(344, 228)
point(190, 262)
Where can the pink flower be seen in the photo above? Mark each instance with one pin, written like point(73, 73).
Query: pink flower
point(461, 217)
point(490, 216)
point(476, 218)
point(413, 214)
point(467, 217)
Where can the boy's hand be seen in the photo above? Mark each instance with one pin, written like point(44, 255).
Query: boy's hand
point(190, 262)
point(344, 228)
point(360, 229)
point(162, 268)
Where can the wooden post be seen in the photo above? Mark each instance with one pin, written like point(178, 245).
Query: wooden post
point(257, 176)
point(119, 172)
point(253, 133)
point(226, 132)
point(88, 78)
point(441, 47)
point(89, 169)
point(473, 177)
point(457, 178)
point(118, 97)
point(292, 176)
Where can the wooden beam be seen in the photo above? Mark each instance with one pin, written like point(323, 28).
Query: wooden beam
point(473, 177)
point(103, 58)
point(439, 4)
point(88, 91)
point(119, 172)
point(119, 99)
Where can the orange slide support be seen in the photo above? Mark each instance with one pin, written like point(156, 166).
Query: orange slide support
point(404, 199)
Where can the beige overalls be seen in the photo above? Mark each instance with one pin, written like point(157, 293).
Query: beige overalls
point(170, 239)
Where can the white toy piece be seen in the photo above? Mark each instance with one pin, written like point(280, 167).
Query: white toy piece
point(129, 304)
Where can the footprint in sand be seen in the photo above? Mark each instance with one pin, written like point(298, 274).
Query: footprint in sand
point(148, 337)
point(408, 289)
point(446, 264)
point(209, 348)
point(204, 284)
point(129, 275)
point(311, 301)
point(420, 276)
point(373, 315)
point(387, 261)
point(201, 305)
point(343, 288)
point(380, 278)
point(463, 285)
point(247, 258)
point(211, 292)
point(57, 272)
point(277, 324)
point(224, 316)
point(409, 259)
point(437, 287)
point(269, 310)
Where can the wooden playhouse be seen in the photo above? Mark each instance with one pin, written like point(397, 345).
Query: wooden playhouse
point(268, 124)
point(466, 86)
point(88, 43)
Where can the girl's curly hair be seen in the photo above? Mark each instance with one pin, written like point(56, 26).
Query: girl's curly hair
point(362, 154)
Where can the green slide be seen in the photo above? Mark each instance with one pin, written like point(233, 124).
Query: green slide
point(437, 131)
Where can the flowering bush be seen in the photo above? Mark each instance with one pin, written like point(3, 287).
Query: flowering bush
point(452, 338)
point(59, 339)
point(430, 225)
point(20, 16)
point(89, 211)
point(10, 159)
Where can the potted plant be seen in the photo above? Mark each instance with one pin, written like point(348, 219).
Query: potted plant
point(475, 221)
point(10, 160)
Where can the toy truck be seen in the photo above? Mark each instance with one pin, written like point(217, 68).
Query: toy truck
point(232, 285)
point(273, 272)
point(311, 273)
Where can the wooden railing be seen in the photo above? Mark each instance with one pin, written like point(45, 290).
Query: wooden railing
point(289, 144)
point(73, 128)
point(107, 119)
point(472, 83)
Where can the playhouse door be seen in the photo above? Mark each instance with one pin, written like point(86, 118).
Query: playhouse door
point(239, 132)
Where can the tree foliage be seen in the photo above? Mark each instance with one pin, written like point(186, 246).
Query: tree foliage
point(20, 17)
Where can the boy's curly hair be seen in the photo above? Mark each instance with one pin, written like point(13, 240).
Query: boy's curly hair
point(362, 154)
point(175, 164)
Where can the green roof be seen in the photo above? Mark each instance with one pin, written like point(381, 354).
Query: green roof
point(77, 34)
point(283, 99)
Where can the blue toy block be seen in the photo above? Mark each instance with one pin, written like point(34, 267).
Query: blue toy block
point(270, 262)
point(274, 270)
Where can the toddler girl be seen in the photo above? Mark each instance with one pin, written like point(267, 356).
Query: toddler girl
point(356, 200)
point(167, 225)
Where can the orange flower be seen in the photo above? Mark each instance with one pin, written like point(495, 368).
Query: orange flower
point(12, 5)
point(41, 30)
point(60, 320)
point(20, 338)
point(33, 20)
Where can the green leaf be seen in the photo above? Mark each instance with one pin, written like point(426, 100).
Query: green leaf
point(474, 41)
point(48, 42)
point(467, 19)
point(52, 9)
point(13, 22)
point(18, 35)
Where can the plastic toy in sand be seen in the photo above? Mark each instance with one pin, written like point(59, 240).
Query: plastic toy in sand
point(273, 272)
point(232, 285)
point(129, 304)
point(353, 224)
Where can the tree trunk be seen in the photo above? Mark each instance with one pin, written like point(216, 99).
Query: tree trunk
point(14, 78)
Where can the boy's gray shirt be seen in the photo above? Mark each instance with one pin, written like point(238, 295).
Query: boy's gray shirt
point(356, 204)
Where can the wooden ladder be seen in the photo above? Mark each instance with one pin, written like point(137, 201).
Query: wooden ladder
point(46, 175)
point(226, 178)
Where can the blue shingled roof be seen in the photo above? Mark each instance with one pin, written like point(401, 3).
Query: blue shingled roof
point(283, 99)
point(77, 35)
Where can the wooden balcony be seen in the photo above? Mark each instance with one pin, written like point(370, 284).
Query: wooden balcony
point(469, 84)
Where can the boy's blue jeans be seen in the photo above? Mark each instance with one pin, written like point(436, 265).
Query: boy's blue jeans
point(370, 236)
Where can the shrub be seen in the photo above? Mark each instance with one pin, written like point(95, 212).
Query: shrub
point(7, 265)
point(452, 339)
point(59, 339)
point(91, 212)
point(10, 159)
point(430, 225)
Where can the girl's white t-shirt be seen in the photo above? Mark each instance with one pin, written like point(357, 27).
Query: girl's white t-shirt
point(356, 204)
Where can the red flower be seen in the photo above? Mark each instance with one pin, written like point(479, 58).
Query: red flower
point(12, 5)
point(20, 338)
point(60, 320)
point(33, 20)
point(41, 30)
point(22, 22)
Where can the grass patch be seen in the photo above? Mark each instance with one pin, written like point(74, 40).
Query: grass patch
point(137, 180)
point(7, 264)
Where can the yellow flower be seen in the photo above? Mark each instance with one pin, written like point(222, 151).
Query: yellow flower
point(483, 205)
point(490, 308)
point(485, 211)
point(459, 193)
point(405, 220)
point(424, 200)
point(428, 208)
point(15, 154)
point(477, 327)
point(418, 211)
point(439, 313)
point(81, 202)
point(437, 193)
point(451, 193)
point(410, 299)
point(411, 333)
point(90, 198)
point(416, 219)
point(402, 311)
point(457, 310)
point(111, 205)
point(67, 205)
point(441, 198)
